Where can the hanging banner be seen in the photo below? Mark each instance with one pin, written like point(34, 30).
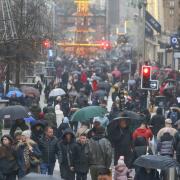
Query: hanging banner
point(153, 22)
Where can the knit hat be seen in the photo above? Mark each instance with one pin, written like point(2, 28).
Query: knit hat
point(121, 160)
point(26, 133)
point(168, 121)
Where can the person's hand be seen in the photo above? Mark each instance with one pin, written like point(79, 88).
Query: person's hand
point(30, 149)
point(72, 168)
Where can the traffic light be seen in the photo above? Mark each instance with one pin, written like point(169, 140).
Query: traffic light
point(105, 45)
point(145, 77)
point(146, 82)
point(46, 43)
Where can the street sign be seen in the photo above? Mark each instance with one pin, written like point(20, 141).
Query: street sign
point(153, 22)
point(175, 42)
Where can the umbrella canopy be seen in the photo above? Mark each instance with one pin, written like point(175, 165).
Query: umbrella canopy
point(57, 92)
point(15, 93)
point(156, 162)
point(29, 119)
point(30, 91)
point(35, 176)
point(14, 112)
point(87, 113)
point(13, 89)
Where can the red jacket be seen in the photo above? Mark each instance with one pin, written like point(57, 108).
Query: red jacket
point(139, 132)
point(83, 77)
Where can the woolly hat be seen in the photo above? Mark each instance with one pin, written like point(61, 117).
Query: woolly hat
point(168, 121)
point(26, 133)
point(121, 160)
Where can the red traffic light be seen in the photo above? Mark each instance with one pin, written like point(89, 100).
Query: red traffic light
point(105, 45)
point(46, 43)
point(146, 71)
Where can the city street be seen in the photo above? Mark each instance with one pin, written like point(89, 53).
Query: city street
point(89, 90)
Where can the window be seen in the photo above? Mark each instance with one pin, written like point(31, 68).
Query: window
point(171, 4)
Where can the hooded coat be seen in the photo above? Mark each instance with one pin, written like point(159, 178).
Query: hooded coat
point(67, 155)
point(146, 132)
point(8, 159)
point(121, 172)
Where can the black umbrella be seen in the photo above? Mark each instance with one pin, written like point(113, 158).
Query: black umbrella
point(35, 176)
point(100, 93)
point(14, 112)
point(156, 162)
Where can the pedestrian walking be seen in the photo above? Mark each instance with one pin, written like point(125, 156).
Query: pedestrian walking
point(121, 138)
point(100, 153)
point(67, 155)
point(28, 155)
point(8, 159)
point(82, 164)
point(49, 149)
point(63, 126)
point(143, 131)
point(121, 170)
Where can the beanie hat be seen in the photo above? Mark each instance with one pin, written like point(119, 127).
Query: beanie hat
point(121, 160)
point(26, 133)
point(168, 121)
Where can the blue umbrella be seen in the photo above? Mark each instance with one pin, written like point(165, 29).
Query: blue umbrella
point(12, 93)
point(29, 120)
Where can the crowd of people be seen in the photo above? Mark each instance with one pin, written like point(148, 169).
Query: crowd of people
point(106, 151)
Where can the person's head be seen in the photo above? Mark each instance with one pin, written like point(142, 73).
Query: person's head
point(168, 122)
point(17, 136)
point(19, 121)
point(6, 140)
point(49, 133)
point(123, 123)
point(143, 124)
point(100, 131)
point(82, 138)
point(159, 111)
point(68, 137)
point(26, 135)
point(96, 122)
point(140, 141)
point(104, 174)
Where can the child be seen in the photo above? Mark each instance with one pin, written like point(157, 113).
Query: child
point(121, 170)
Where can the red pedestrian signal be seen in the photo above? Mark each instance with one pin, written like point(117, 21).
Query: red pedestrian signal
point(46, 43)
point(146, 77)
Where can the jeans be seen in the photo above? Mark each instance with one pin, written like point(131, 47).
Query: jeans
point(81, 176)
point(47, 168)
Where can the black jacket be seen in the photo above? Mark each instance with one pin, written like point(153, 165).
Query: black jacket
point(121, 139)
point(49, 149)
point(157, 122)
point(67, 155)
point(82, 164)
point(61, 129)
point(8, 160)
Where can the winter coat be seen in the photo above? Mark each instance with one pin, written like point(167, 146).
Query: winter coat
point(26, 166)
point(121, 139)
point(50, 117)
point(121, 172)
point(49, 149)
point(36, 135)
point(157, 122)
point(61, 129)
point(165, 148)
point(82, 164)
point(164, 130)
point(100, 151)
point(143, 175)
point(67, 155)
point(147, 133)
point(8, 160)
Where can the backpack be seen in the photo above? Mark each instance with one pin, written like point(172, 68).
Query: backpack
point(174, 117)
